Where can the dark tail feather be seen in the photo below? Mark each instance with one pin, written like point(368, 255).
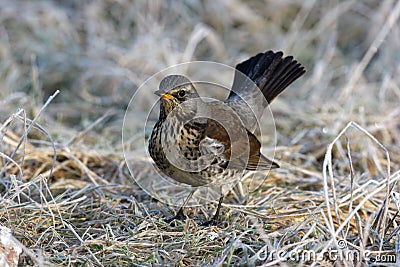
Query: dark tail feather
point(270, 72)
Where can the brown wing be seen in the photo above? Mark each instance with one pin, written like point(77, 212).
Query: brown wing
point(237, 149)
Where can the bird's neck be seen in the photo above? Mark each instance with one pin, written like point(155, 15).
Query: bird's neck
point(163, 113)
point(180, 112)
point(166, 108)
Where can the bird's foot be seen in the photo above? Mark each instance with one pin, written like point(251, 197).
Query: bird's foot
point(213, 221)
point(178, 216)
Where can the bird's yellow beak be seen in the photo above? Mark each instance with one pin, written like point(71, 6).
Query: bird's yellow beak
point(166, 96)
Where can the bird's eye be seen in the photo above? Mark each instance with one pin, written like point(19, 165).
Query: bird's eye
point(181, 93)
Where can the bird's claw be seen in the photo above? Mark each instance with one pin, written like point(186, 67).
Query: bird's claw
point(178, 216)
point(213, 221)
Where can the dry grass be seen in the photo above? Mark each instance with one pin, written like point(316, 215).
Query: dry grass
point(66, 193)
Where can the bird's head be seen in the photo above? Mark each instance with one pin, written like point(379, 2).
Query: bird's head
point(173, 91)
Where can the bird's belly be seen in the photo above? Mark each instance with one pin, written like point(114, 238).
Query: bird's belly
point(204, 171)
point(212, 173)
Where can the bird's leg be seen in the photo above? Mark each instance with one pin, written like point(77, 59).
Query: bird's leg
point(180, 215)
point(215, 218)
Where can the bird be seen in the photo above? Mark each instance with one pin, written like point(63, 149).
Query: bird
point(204, 143)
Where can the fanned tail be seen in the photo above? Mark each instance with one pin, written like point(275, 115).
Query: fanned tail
point(270, 72)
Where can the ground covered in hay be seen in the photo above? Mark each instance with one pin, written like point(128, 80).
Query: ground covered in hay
point(68, 70)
